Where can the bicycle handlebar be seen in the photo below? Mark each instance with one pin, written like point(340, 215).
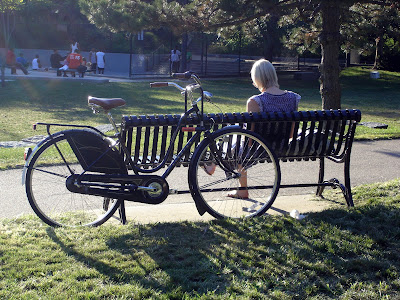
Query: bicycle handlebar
point(158, 84)
point(186, 75)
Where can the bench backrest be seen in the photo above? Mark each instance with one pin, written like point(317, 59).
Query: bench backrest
point(317, 134)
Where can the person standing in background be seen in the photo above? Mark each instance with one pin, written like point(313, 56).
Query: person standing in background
point(93, 60)
point(175, 60)
point(101, 61)
point(74, 46)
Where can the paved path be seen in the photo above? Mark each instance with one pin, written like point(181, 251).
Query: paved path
point(371, 161)
point(51, 75)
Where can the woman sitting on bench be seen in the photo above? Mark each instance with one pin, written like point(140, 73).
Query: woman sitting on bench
point(272, 98)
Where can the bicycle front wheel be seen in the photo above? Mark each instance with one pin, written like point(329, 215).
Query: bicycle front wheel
point(48, 195)
point(234, 174)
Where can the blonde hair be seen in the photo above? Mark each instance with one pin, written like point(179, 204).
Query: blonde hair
point(264, 75)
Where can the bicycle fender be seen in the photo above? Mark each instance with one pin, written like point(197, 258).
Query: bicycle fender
point(37, 147)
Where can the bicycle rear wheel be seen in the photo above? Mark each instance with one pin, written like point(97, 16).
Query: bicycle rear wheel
point(47, 192)
point(234, 156)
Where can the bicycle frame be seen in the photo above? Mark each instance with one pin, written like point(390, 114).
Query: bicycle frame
point(188, 92)
point(88, 167)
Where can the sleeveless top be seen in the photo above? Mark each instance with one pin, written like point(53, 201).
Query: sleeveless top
point(289, 101)
point(100, 59)
point(35, 64)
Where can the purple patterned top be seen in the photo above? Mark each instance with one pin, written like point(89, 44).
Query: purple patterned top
point(289, 101)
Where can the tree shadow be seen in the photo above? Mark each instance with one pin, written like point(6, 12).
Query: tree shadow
point(333, 249)
point(322, 255)
point(183, 252)
point(167, 257)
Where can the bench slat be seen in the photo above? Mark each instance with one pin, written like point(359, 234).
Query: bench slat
point(163, 142)
point(136, 156)
point(316, 133)
point(154, 151)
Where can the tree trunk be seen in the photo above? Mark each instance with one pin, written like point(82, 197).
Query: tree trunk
point(378, 51)
point(269, 31)
point(3, 79)
point(2, 68)
point(183, 65)
point(330, 42)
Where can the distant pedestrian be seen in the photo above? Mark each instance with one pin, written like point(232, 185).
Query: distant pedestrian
point(93, 60)
point(101, 61)
point(74, 46)
point(175, 60)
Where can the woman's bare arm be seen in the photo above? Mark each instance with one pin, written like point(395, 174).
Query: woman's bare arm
point(252, 106)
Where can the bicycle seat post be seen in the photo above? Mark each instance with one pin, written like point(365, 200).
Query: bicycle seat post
point(111, 119)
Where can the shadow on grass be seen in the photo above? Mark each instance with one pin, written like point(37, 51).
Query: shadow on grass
point(329, 253)
point(334, 250)
point(183, 252)
point(179, 250)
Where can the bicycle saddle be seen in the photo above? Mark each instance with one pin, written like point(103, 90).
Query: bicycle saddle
point(106, 103)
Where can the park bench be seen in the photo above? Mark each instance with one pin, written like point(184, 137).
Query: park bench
point(318, 135)
point(71, 71)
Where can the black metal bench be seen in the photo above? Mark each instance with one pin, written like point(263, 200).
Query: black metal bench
point(71, 71)
point(317, 135)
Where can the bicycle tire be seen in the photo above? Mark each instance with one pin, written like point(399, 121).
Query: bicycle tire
point(230, 149)
point(48, 195)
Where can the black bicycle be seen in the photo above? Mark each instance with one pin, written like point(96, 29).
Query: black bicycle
point(80, 176)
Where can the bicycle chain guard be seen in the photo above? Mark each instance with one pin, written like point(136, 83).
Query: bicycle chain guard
point(150, 189)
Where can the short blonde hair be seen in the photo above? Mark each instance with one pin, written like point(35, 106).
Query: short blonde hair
point(264, 75)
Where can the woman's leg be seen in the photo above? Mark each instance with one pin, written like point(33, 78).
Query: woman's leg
point(243, 193)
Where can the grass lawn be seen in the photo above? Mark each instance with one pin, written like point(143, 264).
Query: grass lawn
point(338, 253)
point(25, 102)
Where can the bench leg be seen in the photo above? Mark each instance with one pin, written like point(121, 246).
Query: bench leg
point(320, 189)
point(122, 213)
point(348, 195)
point(346, 188)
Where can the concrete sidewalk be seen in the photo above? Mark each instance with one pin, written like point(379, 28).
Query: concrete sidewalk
point(52, 75)
point(371, 161)
point(174, 211)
